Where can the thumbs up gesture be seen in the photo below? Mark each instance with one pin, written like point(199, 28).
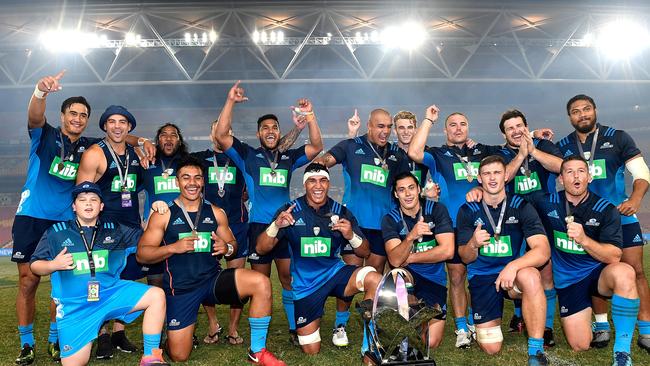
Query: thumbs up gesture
point(63, 261)
point(481, 237)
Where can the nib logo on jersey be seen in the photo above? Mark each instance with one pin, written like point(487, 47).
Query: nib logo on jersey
point(460, 172)
point(315, 247)
point(500, 248)
point(202, 244)
point(227, 177)
point(374, 175)
point(116, 185)
point(524, 184)
point(165, 185)
point(273, 178)
point(424, 246)
point(67, 171)
point(82, 266)
point(565, 244)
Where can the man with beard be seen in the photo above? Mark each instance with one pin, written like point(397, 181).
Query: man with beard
point(45, 197)
point(267, 172)
point(316, 228)
point(586, 233)
point(419, 236)
point(190, 238)
point(490, 238)
point(115, 167)
point(609, 152)
point(85, 279)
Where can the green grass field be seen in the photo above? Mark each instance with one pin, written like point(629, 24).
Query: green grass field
point(513, 353)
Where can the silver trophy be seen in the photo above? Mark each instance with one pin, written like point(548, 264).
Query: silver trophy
point(394, 321)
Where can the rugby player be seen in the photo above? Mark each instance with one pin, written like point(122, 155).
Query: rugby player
point(85, 257)
point(609, 152)
point(190, 238)
point(490, 237)
point(316, 228)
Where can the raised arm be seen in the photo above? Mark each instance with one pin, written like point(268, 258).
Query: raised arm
point(354, 123)
point(235, 95)
point(36, 108)
point(416, 148)
point(306, 113)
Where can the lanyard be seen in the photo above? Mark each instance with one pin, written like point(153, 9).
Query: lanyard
point(118, 163)
point(378, 158)
point(272, 163)
point(89, 248)
point(467, 163)
point(594, 142)
point(569, 213)
point(62, 154)
point(193, 225)
point(221, 182)
point(496, 228)
point(165, 173)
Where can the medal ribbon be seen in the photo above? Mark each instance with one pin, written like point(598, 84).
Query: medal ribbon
point(162, 163)
point(272, 164)
point(383, 160)
point(74, 148)
point(222, 182)
point(497, 228)
point(89, 248)
point(465, 161)
point(195, 224)
point(118, 163)
point(594, 142)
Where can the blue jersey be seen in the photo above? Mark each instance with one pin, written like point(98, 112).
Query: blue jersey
point(157, 187)
point(450, 172)
point(267, 188)
point(540, 179)
point(365, 180)
point(419, 170)
point(614, 147)
point(47, 193)
point(234, 185)
point(113, 243)
point(314, 247)
point(110, 184)
point(393, 226)
point(519, 223)
point(185, 272)
point(600, 221)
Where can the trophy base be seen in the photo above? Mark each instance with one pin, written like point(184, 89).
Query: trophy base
point(370, 359)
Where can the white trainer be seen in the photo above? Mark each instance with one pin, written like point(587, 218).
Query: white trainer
point(463, 339)
point(340, 337)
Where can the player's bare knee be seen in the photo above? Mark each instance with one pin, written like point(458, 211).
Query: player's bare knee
point(529, 280)
point(177, 355)
point(580, 345)
point(491, 349)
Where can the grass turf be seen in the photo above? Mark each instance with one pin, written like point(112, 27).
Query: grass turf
point(513, 352)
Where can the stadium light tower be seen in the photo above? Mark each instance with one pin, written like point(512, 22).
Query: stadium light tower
point(622, 39)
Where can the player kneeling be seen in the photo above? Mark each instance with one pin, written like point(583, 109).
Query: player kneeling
point(85, 257)
point(190, 238)
point(317, 227)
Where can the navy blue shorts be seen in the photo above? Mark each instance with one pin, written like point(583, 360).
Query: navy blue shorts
point(310, 307)
point(240, 231)
point(577, 297)
point(134, 271)
point(183, 308)
point(487, 303)
point(456, 258)
point(280, 251)
point(376, 241)
point(432, 293)
point(26, 232)
point(632, 235)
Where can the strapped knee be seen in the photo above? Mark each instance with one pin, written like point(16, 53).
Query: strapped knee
point(310, 338)
point(489, 335)
point(361, 276)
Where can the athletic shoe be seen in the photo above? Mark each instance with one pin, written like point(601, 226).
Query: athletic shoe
point(26, 355)
point(293, 338)
point(549, 340)
point(264, 358)
point(104, 347)
point(622, 359)
point(600, 338)
point(644, 342)
point(119, 341)
point(538, 359)
point(156, 358)
point(516, 324)
point(472, 331)
point(340, 336)
point(463, 339)
point(195, 341)
point(54, 351)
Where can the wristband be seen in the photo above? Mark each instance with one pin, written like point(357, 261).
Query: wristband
point(38, 93)
point(272, 230)
point(141, 141)
point(356, 241)
point(430, 120)
point(231, 249)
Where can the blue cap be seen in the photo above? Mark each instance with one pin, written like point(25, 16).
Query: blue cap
point(116, 109)
point(86, 187)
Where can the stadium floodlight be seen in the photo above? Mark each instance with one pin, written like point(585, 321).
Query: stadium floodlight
point(69, 40)
point(264, 37)
point(188, 37)
point(273, 37)
point(622, 39)
point(408, 36)
point(256, 36)
point(358, 38)
point(280, 37)
point(374, 36)
point(132, 39)
point(213, 36)
point(204, 38)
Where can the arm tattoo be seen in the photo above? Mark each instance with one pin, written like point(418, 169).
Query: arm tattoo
point(289, 139)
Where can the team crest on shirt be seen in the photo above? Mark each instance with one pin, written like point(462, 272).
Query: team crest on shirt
point(606, 145)
point(592, 222)
point(134, 162)
point(208, 220)
point(259, 156)
point(81, 149)
point(392, 157)
point(284, 157)
point(174, 323)
point(477, 152)
point(512, 220)
point(109, 240)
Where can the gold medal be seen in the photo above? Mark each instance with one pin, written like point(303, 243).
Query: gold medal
point(470, 178)
point(384, 166)
point(569, 219)
point(60, 166)
point(165, 175)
